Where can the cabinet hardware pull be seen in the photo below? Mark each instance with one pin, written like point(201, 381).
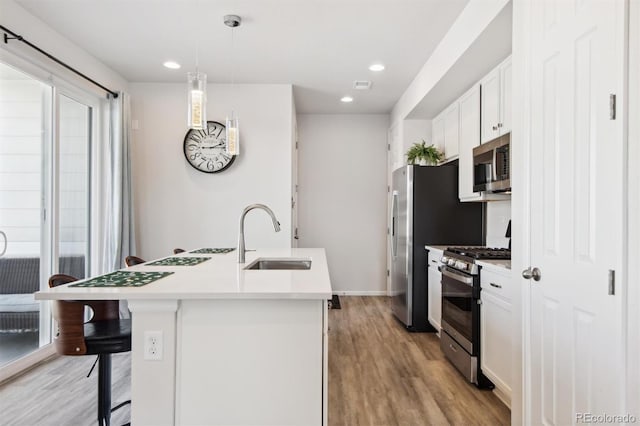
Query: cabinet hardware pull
point(495, 127)
point(495, 285)
point(499, 124)
point(452, 348)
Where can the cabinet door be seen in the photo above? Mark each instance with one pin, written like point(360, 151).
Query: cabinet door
point(490, 98)
point(469, 139)
point(505, 97)
point(435, 296)
point(437, 132)
point(451, 131)
point(495, 341)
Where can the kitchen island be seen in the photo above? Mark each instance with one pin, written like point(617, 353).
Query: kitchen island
point(237, 346)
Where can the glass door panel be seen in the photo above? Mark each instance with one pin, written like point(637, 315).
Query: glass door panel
point(73, 189)
point(24, 179)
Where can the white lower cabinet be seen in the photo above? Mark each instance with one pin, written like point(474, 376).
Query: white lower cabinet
point(495, 330)
point(435, 288)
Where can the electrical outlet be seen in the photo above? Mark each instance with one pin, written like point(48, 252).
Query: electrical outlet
point(153, 345)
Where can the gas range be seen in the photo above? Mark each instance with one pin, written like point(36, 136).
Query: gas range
point(461, 305)
point(464, 258)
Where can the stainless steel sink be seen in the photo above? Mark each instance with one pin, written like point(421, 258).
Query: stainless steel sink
point(283, 263)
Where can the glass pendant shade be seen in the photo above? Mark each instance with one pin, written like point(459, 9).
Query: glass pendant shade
point(197, 100)
point(233, 135)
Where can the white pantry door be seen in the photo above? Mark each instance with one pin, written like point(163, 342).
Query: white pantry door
point(577, 357)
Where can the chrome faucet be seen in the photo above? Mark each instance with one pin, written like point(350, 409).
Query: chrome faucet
point(276, 226)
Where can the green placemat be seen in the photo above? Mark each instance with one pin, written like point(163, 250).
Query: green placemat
point(179, 261)
point(213, 250)
point(123, 279)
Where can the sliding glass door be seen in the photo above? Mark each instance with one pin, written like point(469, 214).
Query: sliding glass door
point(45, 140)
point(25, 117)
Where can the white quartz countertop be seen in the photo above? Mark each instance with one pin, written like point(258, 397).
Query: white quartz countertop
point(220, 277)
point(499, 265)
point(437, 248)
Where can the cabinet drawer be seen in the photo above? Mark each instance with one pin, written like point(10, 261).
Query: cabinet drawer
point(496, 283)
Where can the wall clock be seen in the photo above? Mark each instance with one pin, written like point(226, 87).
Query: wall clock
point(205, 149)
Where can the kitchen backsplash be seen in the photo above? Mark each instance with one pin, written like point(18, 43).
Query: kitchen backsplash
point(498, 216)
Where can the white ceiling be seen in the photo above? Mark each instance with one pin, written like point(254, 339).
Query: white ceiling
point(319, 46)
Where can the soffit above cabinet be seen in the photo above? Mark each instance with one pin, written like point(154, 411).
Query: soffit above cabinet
point(488, 50)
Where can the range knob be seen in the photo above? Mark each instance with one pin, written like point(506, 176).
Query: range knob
point(444, 259)
point(451, 262)
point(461, 265)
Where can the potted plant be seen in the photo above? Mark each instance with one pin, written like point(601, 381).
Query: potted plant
point(424, 155)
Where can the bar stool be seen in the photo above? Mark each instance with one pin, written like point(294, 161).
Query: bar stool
point(133, 260)
point(104, 334)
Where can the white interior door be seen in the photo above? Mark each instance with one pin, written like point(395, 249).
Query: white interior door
point(576, 353)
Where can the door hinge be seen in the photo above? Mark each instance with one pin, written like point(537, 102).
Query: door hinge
point(387, 272)
point(44, 215)
point(388, 147)
point(296, 145)
point(612, 282)
point(612, 106)
point(388, 231)
point(388, 189)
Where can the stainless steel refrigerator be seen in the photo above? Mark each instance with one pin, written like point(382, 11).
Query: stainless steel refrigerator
point(425, 211)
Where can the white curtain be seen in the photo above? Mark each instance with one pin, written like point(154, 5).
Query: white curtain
point(116, 189)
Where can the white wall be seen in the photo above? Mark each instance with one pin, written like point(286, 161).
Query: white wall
point(178, 206)
point(342, 197)
point(498, 216)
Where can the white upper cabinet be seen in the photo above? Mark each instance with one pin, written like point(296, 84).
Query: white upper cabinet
point(490, 105)
point(469, 139)
point(505, 96)
point(437, 132)
point(451, 131)
point(496, 102)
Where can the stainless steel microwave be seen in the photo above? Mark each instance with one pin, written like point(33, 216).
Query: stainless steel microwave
point(492, 165)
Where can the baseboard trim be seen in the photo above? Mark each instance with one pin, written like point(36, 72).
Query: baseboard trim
point(24, 364)
point(361, 293)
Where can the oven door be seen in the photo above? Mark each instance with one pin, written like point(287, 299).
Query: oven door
point(457, 306)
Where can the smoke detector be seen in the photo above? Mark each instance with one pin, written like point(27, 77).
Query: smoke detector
point(362, 85)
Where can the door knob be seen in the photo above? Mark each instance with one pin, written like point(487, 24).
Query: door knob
point(532, 273)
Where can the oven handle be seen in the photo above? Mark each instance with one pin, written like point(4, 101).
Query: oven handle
point(458, 277)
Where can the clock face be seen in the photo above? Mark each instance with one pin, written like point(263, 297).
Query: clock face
point(205, 149)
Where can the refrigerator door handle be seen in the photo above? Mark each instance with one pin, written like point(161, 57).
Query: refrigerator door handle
point(394, 240)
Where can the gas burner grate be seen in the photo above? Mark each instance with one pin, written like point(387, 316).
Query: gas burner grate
point(481, 252)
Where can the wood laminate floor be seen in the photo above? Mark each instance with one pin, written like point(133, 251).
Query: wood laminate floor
point(379, 374)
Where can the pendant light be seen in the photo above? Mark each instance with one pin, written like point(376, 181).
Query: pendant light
point(197, 98)
point(232, 126)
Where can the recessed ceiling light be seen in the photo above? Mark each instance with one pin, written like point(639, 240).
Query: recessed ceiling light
point(376, 67)
point(346, 99)
point(172, 65)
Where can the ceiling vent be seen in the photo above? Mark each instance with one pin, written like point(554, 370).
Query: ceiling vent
point(362, 85)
